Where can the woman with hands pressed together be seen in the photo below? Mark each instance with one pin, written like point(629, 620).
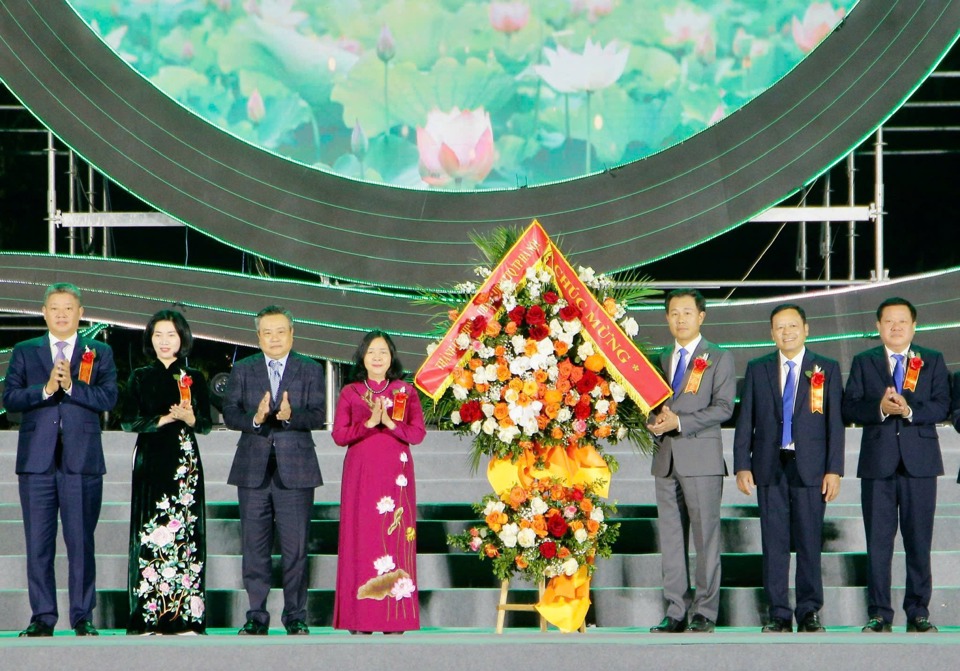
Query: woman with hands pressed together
point(378, 418)
point(167, 403)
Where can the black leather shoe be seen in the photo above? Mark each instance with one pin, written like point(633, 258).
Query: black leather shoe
point(37, 628)
point(701, 625)
point(810, 624)
point(297, 628)
point(253, 628)
point(777, 625)
point(877, 625)
point(669, 625)
point(85, 628)
point(921, 625)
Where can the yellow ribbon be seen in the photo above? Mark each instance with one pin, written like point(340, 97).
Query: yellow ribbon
point(566, 600)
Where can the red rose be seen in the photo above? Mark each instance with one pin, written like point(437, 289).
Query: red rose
point(587, 382)
point(557, 526)
point(470, 412)
point(186, 381)
point(477, 326)
point(548, 549)
point(700, 364)
point(916, 363)
point(583, 410)
point(516, 314)
point(576, 494)
point(87, 356)
point(539, 331)
point(535, 315)
point(817, 379)
point(569, 313)
point(550, 297)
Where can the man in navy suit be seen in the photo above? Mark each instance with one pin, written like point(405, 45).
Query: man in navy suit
point(789, 446)
point(899, 393)
point(689, 467)
point(275, 399)
point(61, 383)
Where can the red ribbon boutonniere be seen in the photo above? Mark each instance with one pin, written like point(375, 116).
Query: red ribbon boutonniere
point(86, 364)
point(399, 404)
point(700, 364)
point(817, 380)
point(914, 364)
point(184, 382)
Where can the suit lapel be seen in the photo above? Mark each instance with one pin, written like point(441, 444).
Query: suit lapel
point(290, 372)
point(772, 368)
point(803, 384)
point(883, 369)
point(44, 353)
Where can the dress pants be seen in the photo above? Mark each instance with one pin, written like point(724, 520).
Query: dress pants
point(912, 502)
point(789, 510)
point(690, 506)
point(263, 508)
point(77, 498)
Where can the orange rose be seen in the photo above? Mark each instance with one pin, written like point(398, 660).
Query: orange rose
point(592, 527)
point(475, 363)
point(540, 526)
point(505, 422)
point(552, 410)
point(560, 347)
point(496, 521)
point(542, 421)
point(516, 384)
point(482, 388)
point(491, 550)
point(575, 374)
point(503, 373)
point(602, 431)
point(525, 523)
point(594, 362)
point(563, 386)
point(501, 411)
point(526, 444)
point(521, 562)
point(556, 492)
point(563, 553)
point(493, 328)
point(552, 396)
point(481, 297)
point(613, 409)
point(576, 525)
point(540, 376)
point(463, 377)
point(571, 400)
point(499, 351)
point(510, 328)
point(564, 368)
point(517, 496)
point(530, 348)
point(557, 433)
point(604, 388)
point(586, 505)
point(452, 315)
point(610, 306)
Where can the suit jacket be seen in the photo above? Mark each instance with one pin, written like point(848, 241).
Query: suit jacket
point(887, 441)
point(75, 416)
point(292, 441)
point(698, 448)
point(955, 404)
point(817, 436)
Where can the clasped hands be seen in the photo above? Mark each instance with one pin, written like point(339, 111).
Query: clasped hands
point(664, 422)
point(59, 378)
point(182, 411)
point(284, 412)
point(378, 412)
point(893, 403)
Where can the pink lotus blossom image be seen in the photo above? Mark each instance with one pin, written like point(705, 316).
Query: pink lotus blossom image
point(456, 146)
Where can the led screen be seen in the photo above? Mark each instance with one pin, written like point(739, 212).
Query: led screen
point(471, 95)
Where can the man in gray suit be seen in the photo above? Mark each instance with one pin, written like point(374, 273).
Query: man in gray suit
point(275, 399)
point(689, 467)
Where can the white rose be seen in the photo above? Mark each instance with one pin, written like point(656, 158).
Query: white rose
point(617, 392)
point(519, 344)
point(538, 506)
point(581, 535)
point(531, 274)
point(570, 566)
point(597, 515)
point(463, 341)
point(432, 347)
point(508, 434)
point(493, 506)
point(564, 415)
point(475, 427)
point(459, 392)
point(602, 406)
point(545, 347)
point(507, 287)
point(520, 365)
point(527, 538)
point(455, 417)
point(585, 350)
point(508, 535)
point(630, 327)
point(572, 326)
point(586, 274)
point(489, 426)
point(556, 328)
point(487, 409)
point(621, 433)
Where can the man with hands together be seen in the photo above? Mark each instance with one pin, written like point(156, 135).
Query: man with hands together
point(275, 399)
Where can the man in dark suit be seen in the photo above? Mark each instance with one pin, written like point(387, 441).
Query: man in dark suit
point(789, 446)
point(275, 399)
point(689, 466)
point(899, 393)
point(61, 382)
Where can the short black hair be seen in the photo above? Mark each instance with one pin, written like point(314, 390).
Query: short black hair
point(272, 310)
point(62, 288)
point(358, 372)
point(896, 300)
point(788, 306)
point(679, 293)
point(179, 323)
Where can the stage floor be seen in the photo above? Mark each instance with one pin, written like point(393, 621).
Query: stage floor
point(609, 649)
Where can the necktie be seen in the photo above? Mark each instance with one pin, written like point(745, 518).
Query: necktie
point(789, 392)
point(61, 345)
point(681, 368)
point(274, 377)
point(898, 372)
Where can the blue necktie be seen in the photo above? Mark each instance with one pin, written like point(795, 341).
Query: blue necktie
point(681, 368)
point(898, 373)
point(789, 392)
point(274, 378)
